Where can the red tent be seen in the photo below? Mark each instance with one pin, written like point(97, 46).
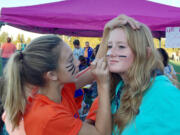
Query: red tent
point(87, 17)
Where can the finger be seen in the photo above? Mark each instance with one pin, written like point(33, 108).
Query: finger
point(104, 65)
point(132, 24)
point(107, 72)
point(94, 64)
point(99, 63)
point(135, 23)
point(138, 25)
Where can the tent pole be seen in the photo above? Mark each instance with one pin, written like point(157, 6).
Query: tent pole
point(159, 42)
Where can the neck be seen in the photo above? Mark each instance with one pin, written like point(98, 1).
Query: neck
point(124, 77)
point(52, 91)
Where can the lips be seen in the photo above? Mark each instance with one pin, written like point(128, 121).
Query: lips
point(113, 61)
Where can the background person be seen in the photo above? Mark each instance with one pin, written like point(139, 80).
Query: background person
point(7, 49)
point(83, 63)
point(95, 50)
point(78, 51)
point(88, 51)
point(168, 68)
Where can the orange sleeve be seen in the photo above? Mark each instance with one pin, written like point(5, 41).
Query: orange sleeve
point(93, 110)
point(63, 124)
point(71, 93)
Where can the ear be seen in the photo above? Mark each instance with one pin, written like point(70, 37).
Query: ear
point(52, 75)
point(148, 51)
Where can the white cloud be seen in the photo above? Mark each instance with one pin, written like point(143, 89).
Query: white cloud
point(175, 3)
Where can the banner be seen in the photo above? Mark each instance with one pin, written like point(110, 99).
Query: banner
point(172, 37)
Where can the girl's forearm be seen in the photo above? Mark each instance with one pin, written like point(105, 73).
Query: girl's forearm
point(103, 119)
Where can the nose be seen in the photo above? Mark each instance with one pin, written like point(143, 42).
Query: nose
point(113, 52)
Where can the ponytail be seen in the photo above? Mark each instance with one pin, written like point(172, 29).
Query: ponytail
point(15, 100)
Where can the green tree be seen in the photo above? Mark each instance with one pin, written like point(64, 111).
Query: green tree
point(3, 37)
point(12, 38)
point(28, 40)
point(20, 39)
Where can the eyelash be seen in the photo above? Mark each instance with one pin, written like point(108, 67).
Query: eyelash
point(121, 46)
point(109, 46)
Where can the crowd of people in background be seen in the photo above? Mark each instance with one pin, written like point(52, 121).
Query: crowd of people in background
point(85, 57)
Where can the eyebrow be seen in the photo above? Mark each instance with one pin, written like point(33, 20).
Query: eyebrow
point(109, 42)
point(118, 42)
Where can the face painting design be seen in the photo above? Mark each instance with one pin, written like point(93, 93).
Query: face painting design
point(108, 53)
point(122, 56)
point(71, 68)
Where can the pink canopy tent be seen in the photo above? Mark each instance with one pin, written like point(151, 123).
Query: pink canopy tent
point(87, 17)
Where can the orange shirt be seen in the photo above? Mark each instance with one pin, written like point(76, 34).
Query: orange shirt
point(7, 50)
point(93, 110)
point(45, 117)
point(86, 52)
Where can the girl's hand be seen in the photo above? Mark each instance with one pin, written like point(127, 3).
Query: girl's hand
point(100, 71)
point(122, 20)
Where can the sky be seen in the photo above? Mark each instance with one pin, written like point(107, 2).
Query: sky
point(14, 3)
point(175, 3)
point(12, 31)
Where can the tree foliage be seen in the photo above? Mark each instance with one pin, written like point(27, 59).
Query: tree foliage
point(3, 37)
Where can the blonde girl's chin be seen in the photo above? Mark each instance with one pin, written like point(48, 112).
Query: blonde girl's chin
point(114, 70)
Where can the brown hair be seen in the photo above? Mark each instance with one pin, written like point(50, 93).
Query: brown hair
point(29, 66)
point(9, 40)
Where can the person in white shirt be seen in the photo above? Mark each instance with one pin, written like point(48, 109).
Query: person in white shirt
point(78, 51)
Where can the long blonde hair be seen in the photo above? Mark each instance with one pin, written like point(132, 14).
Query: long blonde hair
point(143, 69)
point(29, 66)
